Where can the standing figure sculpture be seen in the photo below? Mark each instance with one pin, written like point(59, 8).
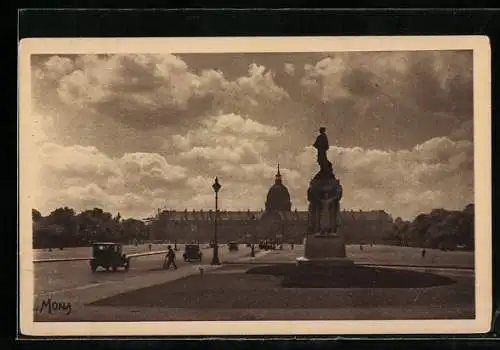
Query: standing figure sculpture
point(321, 144)
point(324, 192)
point(324, 243)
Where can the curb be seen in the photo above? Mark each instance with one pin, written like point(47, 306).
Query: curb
point(135, 255)
point(448, 267)
point(58, 260)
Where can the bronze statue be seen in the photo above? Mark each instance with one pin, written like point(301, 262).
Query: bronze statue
point(324, 192)
point(321, 144)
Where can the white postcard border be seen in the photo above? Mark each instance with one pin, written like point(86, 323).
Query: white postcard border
point(482, 181)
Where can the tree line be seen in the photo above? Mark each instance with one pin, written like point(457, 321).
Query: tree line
point(64, 228)
point(441, 228)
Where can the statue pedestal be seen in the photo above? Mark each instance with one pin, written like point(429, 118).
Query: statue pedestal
point(324, 250)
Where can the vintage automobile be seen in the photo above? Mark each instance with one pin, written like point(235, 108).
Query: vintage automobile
point(108, 256)
point(192, 252)
point(267, 244)
point(232, 246)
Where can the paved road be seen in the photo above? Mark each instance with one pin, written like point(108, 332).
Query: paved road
point(76, 275)
point(68, 275)
point(86, 252)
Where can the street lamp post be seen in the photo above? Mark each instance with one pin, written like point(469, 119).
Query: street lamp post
point(215, 259)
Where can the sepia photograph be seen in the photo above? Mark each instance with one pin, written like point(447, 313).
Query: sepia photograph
point(213, 186)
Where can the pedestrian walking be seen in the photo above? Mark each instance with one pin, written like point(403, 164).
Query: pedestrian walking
point(170, 258)
point(423, 253)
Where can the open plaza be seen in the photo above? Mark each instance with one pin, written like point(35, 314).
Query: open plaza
point(385, 282)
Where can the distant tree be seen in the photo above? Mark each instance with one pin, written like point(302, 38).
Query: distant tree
point(98, 225)
point(420, 226)
point(444, 228)
point(64, 219)
point(61, 216)
point(466, 228)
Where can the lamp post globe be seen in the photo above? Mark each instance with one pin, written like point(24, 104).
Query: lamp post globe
point(216, 187)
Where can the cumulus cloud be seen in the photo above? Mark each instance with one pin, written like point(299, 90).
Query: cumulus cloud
point(327, 76)
point(81, 176)
point(138, 132)
point(150, 90)
point(227, 138)
point(230, 146)
point(436, 173)
point(240, 125)
point(237, 150)
point(391, 98)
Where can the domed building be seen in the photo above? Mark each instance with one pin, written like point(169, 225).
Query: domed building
point(278, 197)
point(278, 205)
point(276, 221)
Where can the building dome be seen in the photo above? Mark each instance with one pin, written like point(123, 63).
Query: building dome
point(278, 197)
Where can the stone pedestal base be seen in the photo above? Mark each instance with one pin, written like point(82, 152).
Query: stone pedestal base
point(324, 251)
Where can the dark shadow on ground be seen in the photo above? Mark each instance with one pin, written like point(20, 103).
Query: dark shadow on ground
point(294, 276)
point(229, 288)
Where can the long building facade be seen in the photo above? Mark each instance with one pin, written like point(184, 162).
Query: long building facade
point(277, 220)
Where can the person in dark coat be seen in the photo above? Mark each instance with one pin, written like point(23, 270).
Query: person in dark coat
point(170, 257)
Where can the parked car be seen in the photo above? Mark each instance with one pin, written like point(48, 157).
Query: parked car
point(232, 246)
point(192, 252)
point(108, 256)
point(267, 244)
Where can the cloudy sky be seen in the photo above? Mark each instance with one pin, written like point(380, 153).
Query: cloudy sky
point(133, 133)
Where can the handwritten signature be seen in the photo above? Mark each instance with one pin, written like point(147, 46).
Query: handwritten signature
point(52, 306)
